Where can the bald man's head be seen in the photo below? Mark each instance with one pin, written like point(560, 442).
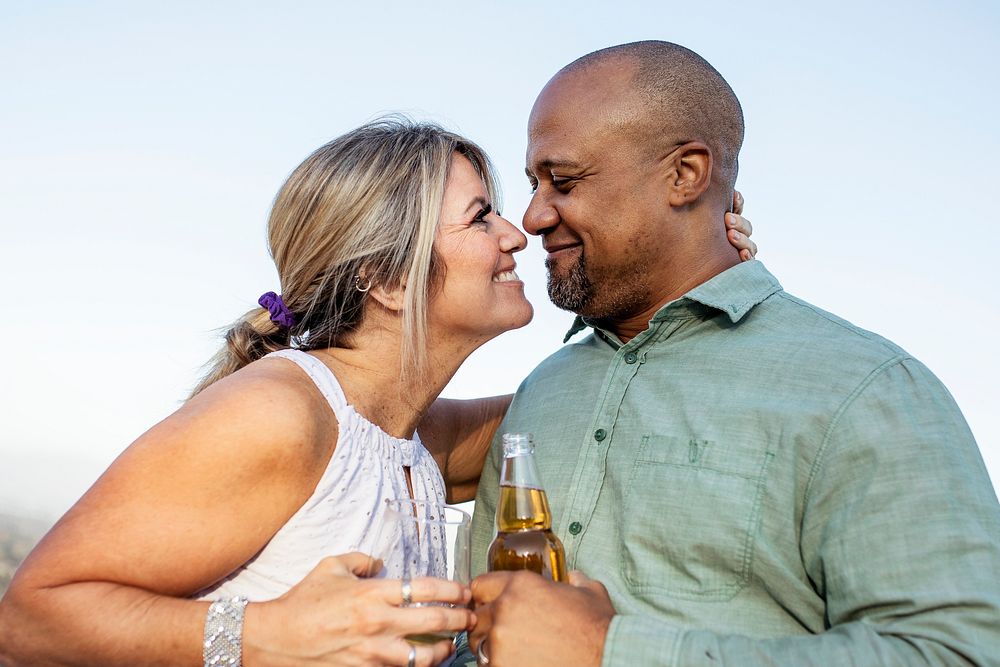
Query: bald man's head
point(676, 97)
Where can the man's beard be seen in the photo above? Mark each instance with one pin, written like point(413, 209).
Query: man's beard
point(620, 294)
point(572, 292)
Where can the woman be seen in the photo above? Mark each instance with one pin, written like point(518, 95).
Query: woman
point(394, 266)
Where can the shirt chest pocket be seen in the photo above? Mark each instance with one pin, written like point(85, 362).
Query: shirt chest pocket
point(691, 515)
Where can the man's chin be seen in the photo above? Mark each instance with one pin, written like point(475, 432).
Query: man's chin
point(567, 295)
point(568, 285)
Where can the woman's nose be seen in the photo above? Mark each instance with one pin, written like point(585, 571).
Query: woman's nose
point(511, 238)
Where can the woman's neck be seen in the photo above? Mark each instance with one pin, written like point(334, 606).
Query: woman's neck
point(379, 387)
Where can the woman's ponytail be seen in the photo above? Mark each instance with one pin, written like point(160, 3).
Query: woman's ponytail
point(248, 339)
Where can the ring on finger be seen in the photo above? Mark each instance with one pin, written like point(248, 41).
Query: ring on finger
point(481, 656)
point(407, 591)
point(411, 661)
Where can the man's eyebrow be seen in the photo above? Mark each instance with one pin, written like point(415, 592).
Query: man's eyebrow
point(554, 163)
point(478, 200)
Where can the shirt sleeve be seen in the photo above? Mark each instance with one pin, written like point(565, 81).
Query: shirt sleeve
point(900, 538)
point(484, 516)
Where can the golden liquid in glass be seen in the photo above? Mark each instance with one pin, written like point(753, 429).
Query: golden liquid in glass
point(525, 540)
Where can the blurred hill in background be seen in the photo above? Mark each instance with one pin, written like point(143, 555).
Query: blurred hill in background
point(17, 537)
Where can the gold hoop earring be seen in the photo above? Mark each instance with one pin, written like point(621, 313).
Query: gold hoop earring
point(357, 284)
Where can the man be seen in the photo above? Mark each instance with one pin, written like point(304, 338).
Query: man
point(755, 481)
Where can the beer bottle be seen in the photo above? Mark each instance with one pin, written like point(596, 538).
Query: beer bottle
point(524, 540)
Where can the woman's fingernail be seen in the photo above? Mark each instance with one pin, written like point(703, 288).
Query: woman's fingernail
point(736, 236)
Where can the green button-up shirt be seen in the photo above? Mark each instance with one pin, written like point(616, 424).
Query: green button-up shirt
point(758, 482)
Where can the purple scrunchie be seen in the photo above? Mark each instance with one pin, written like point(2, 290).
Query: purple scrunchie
point(280, 314)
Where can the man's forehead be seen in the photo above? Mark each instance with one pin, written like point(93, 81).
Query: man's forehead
point(595, 81)
point(553, 142)
point(575, 114)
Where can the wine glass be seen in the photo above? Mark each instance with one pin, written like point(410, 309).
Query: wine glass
point(421, 538)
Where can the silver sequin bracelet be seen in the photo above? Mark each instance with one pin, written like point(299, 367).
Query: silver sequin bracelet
point(224, 633)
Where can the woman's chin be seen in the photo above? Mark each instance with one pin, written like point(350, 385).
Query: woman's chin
point(522, 318)
point(513, 321)
point(526, 319)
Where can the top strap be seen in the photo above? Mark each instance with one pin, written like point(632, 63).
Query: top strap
point(322, 377)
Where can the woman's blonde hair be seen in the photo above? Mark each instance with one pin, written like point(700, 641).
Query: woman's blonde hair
point(361, 210)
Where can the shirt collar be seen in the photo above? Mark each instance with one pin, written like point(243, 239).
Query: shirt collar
point(735, 291)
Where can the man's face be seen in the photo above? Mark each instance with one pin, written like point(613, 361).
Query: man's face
point(596, 201)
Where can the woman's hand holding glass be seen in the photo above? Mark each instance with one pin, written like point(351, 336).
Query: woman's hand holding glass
point(425, 539)
point(337, 615)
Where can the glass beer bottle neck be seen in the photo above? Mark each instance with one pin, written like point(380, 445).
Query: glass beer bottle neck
point(523, 508)
point(522, 504)
point(520, 470)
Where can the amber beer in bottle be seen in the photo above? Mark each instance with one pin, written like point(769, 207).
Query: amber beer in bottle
point(524, 540)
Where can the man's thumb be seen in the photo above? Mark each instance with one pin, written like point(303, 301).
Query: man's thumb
point(580, 580)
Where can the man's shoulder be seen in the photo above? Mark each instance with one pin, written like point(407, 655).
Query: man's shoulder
point(763, 317)
point(784, 315)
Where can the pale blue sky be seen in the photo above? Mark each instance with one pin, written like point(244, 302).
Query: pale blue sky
point(141, 145)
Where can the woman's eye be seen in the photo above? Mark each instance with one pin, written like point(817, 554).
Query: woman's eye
point(483, 212)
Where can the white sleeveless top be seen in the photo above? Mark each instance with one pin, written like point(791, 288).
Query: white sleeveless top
point(344, 513)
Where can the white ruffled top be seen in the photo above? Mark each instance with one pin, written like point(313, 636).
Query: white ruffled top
point(345, 511)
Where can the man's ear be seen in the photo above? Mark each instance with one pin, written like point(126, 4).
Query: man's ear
point(691, 173)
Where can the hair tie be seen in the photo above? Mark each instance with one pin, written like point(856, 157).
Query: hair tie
point(280, 314)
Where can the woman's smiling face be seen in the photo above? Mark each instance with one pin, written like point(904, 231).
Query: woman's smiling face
point(480, 294)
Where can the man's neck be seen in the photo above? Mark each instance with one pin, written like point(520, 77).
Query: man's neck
point(685, 279)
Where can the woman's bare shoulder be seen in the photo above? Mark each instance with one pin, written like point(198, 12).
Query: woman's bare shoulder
point(228, 469)
point(272, 402)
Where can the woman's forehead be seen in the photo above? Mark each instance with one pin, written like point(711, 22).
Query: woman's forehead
point(465, 188)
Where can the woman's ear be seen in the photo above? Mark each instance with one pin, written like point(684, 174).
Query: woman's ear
point(690, 173)
point(390, 298)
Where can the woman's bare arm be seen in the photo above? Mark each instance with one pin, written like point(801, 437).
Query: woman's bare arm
point(190, 501)
point(458, 433)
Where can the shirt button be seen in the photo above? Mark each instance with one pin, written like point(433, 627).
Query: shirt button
point(600, 434)
point(575, 527)
point(630, 358)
